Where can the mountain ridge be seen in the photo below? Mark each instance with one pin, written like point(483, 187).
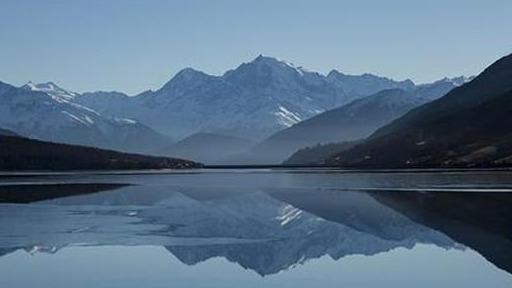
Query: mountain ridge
point(464, 128)
point(251, 101)
point(48, 112)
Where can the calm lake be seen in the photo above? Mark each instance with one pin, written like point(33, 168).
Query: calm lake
point(256, 228)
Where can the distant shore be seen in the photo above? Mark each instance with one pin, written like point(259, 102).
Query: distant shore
point(234, 168)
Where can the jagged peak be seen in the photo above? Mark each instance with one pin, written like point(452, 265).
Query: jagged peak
point(336, 74)
point(50, 88)
point(272, 61)
point(263, 65)
point(43, 85)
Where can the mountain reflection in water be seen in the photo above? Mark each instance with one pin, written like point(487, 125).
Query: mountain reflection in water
point(265, 230)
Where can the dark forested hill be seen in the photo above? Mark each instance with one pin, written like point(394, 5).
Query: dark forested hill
point(18, 153)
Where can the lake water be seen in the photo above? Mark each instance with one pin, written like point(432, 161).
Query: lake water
point(256, 228)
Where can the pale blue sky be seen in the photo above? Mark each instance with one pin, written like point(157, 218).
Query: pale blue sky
point(132, 46)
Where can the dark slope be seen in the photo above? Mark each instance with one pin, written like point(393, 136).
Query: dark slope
point(4, 132)
point(492, 82)
point(17, 153)
point(481, 221)
point(317, 154)
point(470, 126)
point(207, 147)
point(40, 192)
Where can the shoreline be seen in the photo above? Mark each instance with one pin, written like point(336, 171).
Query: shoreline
point(244, 168)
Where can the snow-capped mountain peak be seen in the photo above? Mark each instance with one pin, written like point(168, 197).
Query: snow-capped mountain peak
point(252, 101)
point(47, 112)
point(264, 72)
point(271, 61)
point(52, 89)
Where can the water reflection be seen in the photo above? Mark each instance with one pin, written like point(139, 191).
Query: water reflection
point(37, 192)
point(482, 221)
point(264, 230)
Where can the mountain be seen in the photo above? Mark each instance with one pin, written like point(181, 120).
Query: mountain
point(18, 153)
point(110, 103)
point(467, 127)
point(46, 111)
point(4, 132)
point(207, 148)
point(349, 122)
point(253, 101)
point(50, 88)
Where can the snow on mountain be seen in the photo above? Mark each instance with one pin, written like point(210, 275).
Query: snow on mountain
point(251, 101)
point(45, 111)
point(50, 88)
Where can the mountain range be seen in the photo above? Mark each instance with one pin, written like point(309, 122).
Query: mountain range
point(47, 112)
point(467, 127)
point(261, 112)
point(252, 101)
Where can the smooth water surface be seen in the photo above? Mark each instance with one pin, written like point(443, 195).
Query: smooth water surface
point(256, 228)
